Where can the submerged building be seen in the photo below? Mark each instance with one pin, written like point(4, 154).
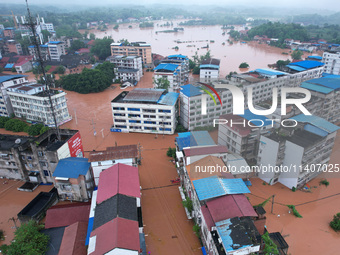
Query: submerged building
point(146, 111)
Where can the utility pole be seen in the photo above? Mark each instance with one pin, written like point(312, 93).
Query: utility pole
point(32, 24)
point(273, 203)
point(75, 116)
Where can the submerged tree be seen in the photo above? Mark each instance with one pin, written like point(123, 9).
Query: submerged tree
point(161, 83)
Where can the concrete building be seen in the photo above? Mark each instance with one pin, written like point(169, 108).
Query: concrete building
point(31, 101)
point(304, 150)
point(146, 111)
point(117, 222)
point(332, 62)
point(101, 160)
point(241, 135)
point(127, 67)
point(140, 49)
point(262, 81)
point(5, 82)
point(9, 32)
point(12, 46)
point(25, 65)
point(56, 50)
point(73, 179)
point(181, 60)
point(209, 70)
point(24, 157)
point(43, 51)
point(47, 26)
point(170, 72)
point(325, 101)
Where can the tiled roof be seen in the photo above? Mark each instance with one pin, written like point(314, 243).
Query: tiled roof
point(112, 153)
point(205, 150)
point(73, 242)
point(118, 179)
point(65, 215)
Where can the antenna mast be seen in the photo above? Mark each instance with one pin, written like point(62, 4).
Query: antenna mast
point(32, 24)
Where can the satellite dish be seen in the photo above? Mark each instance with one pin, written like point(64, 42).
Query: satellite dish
point(18, 141)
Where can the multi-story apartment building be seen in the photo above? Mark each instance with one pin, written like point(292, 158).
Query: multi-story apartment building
point(325, 100)
point(170, 72)
point(43, 51)
point(332, 62)
point(209, 70)
point(181, 60)
point(300, 153)
point(140, 49)
point(12, 46)
point(9, 32)
point(31, 101)
point(127, 67)
point(243, 138)
point(56, 50)
point(262, 81)
point(146, 111)
point(22, 157)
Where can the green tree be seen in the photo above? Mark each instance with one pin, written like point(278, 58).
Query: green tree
point(28, 241)
point(3, 121)
point(171, 152)
point(60, 70)
point(297, 54)
point(162, 83)
point(45, 34)
point(77, 44)
point(270, 247)
point(281, 63)
point(35, 129)
point(335, 223)
point(116, 26)
point(92, 36)
point(244, 65)
point(16, 125)
point(102, 48)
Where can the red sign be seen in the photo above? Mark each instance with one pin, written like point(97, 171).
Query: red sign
point(75, 146)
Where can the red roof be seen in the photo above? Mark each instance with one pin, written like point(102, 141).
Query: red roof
point(52, 69)
point(228, 207)
point(73, 242)
point(118, 233)
point(119, 178)
point(205, 150)
point(65, 215)
point(91, 42)
point(83, 50)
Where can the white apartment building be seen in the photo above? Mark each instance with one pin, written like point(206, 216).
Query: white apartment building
point(5, 82)
point(56, 49)
point(262, 81)
point(301, 150)
point(332, 62)
point(31, 101)
point(141, 49)
point(127, 67)
point(146, 111)
point(171, 72)
point(47, 26)
point(179, 60)
point(210, 70)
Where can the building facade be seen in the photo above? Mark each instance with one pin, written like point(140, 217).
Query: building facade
point(140, 49)
point(127, 67)
point(31, 101)
point(169, 72)
point(209, 70)
point(332, 62)
point(56, 50)
point(145, 111)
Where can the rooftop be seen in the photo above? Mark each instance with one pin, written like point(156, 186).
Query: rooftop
point(127, 70)
point(179, 56)
point(144, 95)
point(112, 153)
point(165, 67)
point(56, 236)
point(118, 206)
point(214, 186)
point(7, 142)
point(211, 61)
point(118, 233)
point(73, 241)
point(118, 179)
point(317, 122)
point(190, 90)
point(72, 167)
point(65, 215)
point(4, 78)
point(205, 150)
point(307, 64)
point(194, 138)
point(304, 138)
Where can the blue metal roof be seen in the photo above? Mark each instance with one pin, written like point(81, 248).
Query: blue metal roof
point(165, 66)
point(214, 186)
point(317, 122)
point(72, 167)
point(10, 77)
point(168, 99)
point(178, 56)
point(296, 68)
point(316, 88)
point(307, 64)
point(9, 66)
point(210, 66)
point(54, 42)
point(270, 72)
point(190, 90)
point(89, 230)
point(329, 81)
point(248, 115)
point(194, 138)
point(315, 57)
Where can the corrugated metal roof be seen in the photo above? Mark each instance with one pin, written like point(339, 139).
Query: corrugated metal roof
point(214, 186)
point(268, 71)
point(9, 66)
point(296, 68)
point(209, 66)
point(329, 81)
point(194, 138)
point(316, 88)
point(315, 57)
point(190, 90)
point(203, 138)
point(205, 150)
point(248, 115)
point(307, 64)
point(165, 66)
point(168, 99)
point(144, 95)
point(72, 167)
point(10, 77)
point(316, 121)
point(178, 56)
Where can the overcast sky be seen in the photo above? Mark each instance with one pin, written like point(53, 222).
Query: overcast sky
point(310, 4)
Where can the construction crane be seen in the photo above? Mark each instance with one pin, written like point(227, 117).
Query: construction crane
point(14, 19)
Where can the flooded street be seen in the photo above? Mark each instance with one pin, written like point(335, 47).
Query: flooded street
point(256, 55)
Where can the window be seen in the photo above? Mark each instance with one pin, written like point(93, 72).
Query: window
point(46, 173)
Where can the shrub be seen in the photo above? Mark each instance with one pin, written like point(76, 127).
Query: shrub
point(2, 234)
point(293, 189)
point(171, 152)
point(270, 247)
point(187, 203)
point(3, 121)
point(295, 212)
point(243, 65)
point(264, 202)
point(180, 129)
point(35, 129)
point(16, 125)
point(324, 182)
point(335, 223)
point(197, 229)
